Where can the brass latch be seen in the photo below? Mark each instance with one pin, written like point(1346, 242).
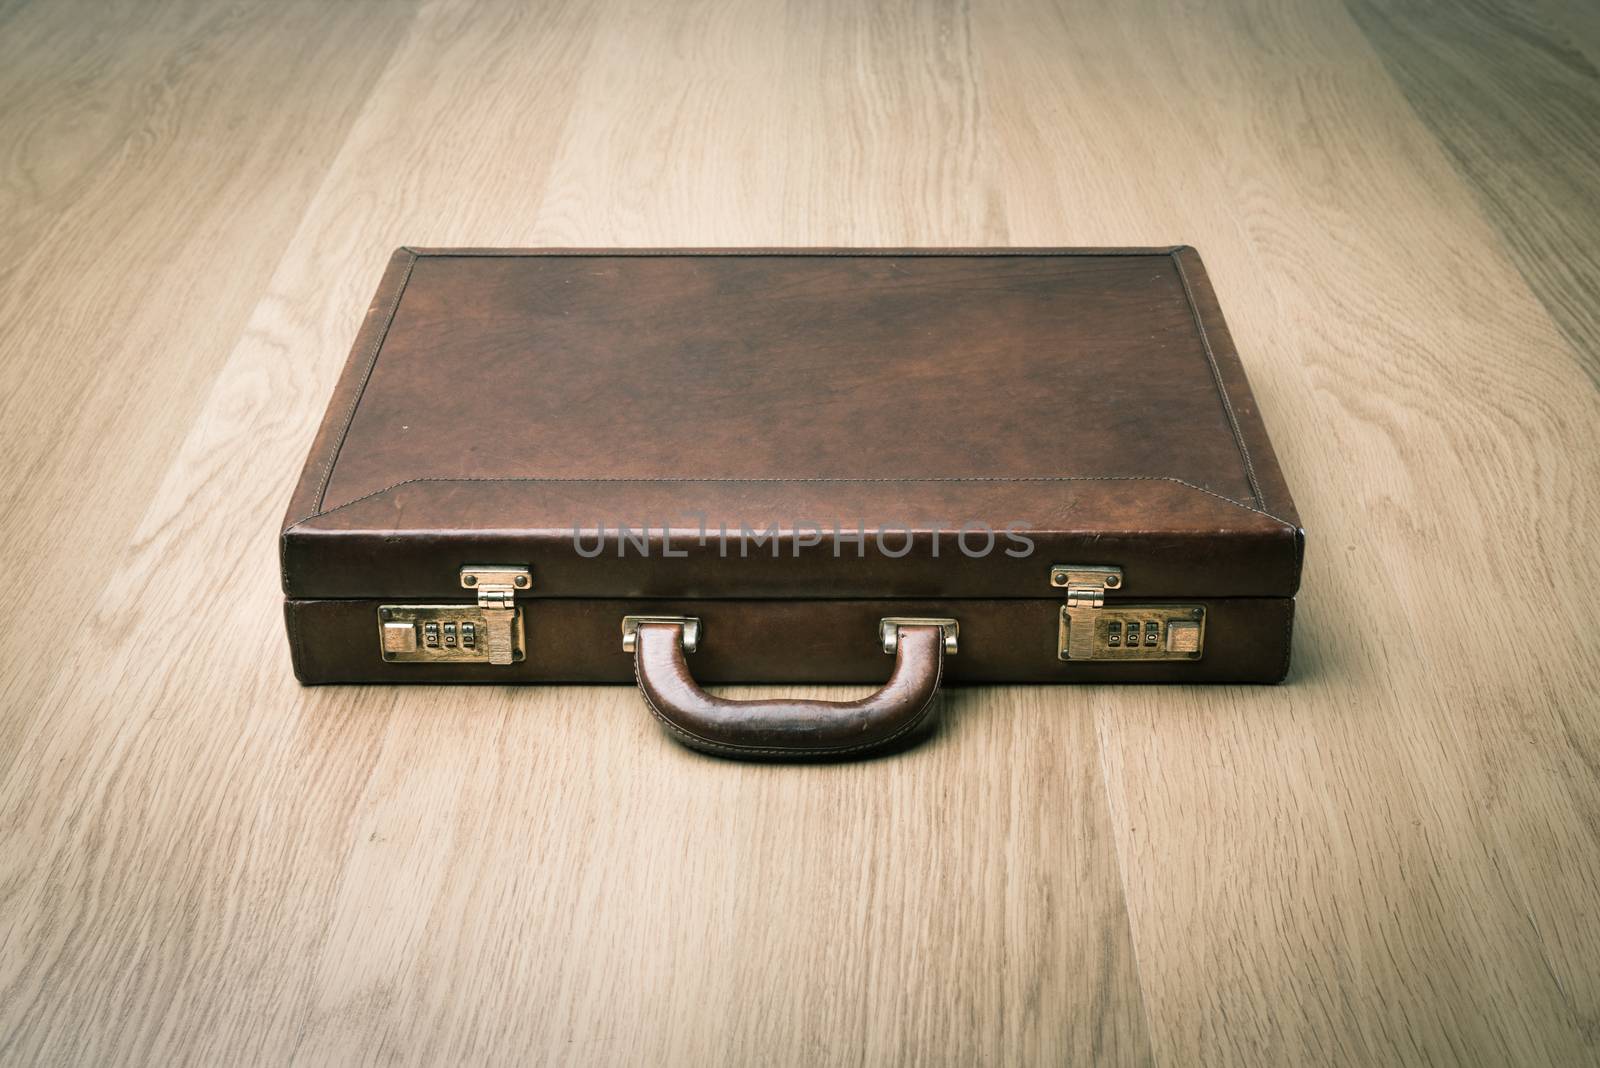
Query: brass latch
point(1091, 631)
point(1086, 594)
point(490, 632)
point(497, 595)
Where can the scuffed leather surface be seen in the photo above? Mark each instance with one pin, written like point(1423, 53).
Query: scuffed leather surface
point(776, 727)
point(750, 367)
point(496, 401)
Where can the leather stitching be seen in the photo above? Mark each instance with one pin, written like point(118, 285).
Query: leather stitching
point(695, 741)
point(1216, 377)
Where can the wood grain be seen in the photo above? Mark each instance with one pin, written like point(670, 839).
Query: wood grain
point(1392, 859)
point(155, 160)
point(1515, 101)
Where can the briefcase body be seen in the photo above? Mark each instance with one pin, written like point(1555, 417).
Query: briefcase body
point(551, 466)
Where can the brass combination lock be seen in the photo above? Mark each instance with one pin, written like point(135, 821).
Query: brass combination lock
point(1091, 630)
point(489, 632)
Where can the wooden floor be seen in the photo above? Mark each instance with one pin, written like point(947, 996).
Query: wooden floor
point(1394, 858)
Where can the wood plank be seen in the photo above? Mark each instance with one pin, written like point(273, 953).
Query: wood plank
point(1390, 858)
point(1515, 101)
point(886, 138)
point(1576, 22)
point(203, 795)
point(663, 909)
point(158, 158)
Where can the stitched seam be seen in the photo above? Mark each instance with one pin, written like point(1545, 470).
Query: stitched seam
point(975, 478)
point(366, 376)
point(1216, 377)
point(696, 741)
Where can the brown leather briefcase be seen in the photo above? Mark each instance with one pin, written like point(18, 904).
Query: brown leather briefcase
point(686, 467)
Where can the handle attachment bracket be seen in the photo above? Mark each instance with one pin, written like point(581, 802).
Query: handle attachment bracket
point(690, 630)
point(889, 631)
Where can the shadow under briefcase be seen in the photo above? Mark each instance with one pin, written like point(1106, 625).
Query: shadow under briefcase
point(672, 468)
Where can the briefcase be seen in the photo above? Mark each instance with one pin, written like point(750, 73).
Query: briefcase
point(903, 468)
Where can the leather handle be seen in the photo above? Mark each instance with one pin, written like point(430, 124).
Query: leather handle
point(774, 729)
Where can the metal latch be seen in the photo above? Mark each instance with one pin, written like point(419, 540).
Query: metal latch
point(489, 633)
point(889, 631)
point(497, 595)
point(690, 636)
point(1091, 631)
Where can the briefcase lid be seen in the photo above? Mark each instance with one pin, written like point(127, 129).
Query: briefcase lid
point(792, 423)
